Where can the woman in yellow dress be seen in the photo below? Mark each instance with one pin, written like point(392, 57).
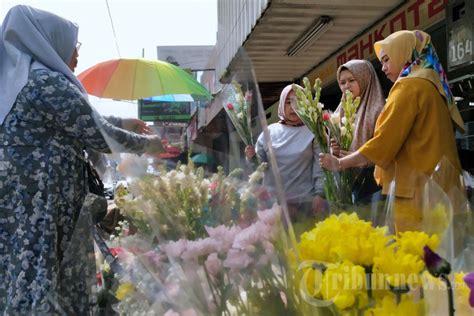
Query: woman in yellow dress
point(414, 132)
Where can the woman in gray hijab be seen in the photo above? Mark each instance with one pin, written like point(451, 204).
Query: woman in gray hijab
point(359, 77)
point(45, 123)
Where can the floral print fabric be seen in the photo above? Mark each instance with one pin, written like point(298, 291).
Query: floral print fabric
point(42, 188)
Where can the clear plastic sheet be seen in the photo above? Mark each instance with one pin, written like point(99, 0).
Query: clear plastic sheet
point(197, 239)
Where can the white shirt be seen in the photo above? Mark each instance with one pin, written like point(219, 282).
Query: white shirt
point(298, 161)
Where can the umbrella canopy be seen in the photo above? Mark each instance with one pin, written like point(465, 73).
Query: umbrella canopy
point(132, 79)
point(203, 158)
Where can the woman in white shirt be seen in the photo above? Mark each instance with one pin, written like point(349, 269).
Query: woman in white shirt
point(296, 154)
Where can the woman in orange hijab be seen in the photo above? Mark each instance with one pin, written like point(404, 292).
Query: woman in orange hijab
point(415, 131)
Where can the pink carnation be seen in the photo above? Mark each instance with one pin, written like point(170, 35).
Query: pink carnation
point(237, 259)
point(198, 248)
point(213, 264)
point(270, 216)
point(174, 249)
point(189, 312)
point(171, 312)
point(230, 106)
point(223, 235)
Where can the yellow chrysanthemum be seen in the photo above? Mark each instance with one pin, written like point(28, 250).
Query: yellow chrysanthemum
point(399, 268)
point(311, 284)
point(412, 242)
point(124, 290)
point(389, 307)
point(345, 285)
point(437, 220)
point(343, 237)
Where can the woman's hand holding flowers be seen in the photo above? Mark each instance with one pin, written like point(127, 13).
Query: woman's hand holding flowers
point(329, 162)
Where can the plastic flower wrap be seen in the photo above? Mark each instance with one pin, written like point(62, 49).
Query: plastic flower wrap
point(233, 270)
point(211, 240)
point(205, 241)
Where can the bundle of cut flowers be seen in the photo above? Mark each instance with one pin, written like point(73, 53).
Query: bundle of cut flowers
point(233, 270)
point(210, 246)
point(179, 203)
point(238, 106)
point(341, 128)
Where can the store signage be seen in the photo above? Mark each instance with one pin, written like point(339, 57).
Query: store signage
point(415, 14)
point(460, 15)
point(153, 111)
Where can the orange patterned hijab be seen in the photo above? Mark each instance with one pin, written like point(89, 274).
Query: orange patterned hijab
point(413, 53)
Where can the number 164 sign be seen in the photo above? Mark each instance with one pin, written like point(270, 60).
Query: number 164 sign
point(460, 52)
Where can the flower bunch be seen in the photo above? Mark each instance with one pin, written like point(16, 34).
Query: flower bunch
point(233, 270)
point(168, 206)
point(179, 203)
point(341, 127)
point(310, 110)
point(360, 267)
point(239, 110)
point(347, 124)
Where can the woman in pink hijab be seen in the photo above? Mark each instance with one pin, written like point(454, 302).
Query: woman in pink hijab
point(296, 154)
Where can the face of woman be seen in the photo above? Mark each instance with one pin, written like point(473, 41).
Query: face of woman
point(347, 81)
point(290, 114)
point(388, 68)
point(73, 63)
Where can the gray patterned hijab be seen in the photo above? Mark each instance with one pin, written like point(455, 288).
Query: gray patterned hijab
point(372, 100)
point(28, 36)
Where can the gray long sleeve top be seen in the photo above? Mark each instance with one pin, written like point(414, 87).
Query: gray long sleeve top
point(298, 161)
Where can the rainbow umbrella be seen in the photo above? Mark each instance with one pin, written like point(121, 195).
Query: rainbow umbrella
point(133, 79)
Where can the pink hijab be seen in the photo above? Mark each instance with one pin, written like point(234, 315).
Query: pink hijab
point(281, 104)
point(372, 100)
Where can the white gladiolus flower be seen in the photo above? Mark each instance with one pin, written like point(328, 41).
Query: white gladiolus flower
point(240, 116)
point(344, 120)
point(335, 118)
point(320, 106)
point(343, 130)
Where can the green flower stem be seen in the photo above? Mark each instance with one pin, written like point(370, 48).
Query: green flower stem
point(450, 294)
point(368, 278)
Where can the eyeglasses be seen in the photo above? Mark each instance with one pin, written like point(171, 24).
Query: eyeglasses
point(78, 45)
